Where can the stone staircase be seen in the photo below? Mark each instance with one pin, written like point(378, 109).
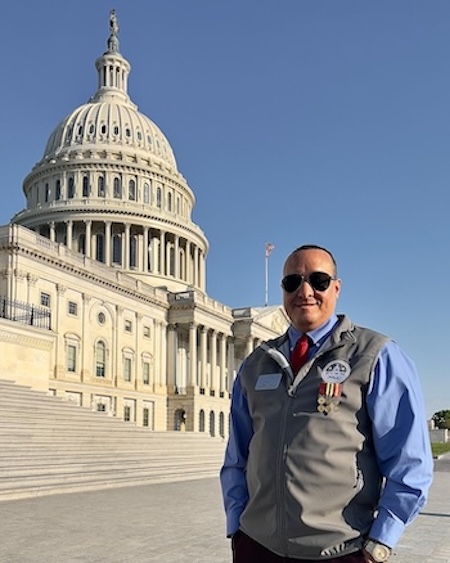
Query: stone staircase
point(49, 446)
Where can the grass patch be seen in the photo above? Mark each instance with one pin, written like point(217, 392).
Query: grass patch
point(439, 448)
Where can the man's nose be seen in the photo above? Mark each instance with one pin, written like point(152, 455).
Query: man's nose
point(305, 289)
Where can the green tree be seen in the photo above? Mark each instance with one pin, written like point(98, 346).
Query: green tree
point(441, 419)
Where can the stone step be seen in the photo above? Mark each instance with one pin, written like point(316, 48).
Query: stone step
point(51, 446)
point(164, 476)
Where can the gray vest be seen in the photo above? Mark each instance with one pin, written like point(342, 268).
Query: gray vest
point(312, 476)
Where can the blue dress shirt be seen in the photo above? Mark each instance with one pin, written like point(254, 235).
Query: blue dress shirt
point(400, 434)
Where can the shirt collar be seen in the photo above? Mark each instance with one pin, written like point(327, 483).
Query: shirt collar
point(318, 335)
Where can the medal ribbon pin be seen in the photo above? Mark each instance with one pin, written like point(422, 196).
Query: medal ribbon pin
point(329, 397)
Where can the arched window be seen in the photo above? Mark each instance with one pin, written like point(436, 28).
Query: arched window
point(85, 186)
point(58, 190)
point(169, 202)
point(178, 205)
point(100, 248)
point(117, 249)
point(201, 420)
point(212, 424)
point(146, 193)
point(47, 192)
point(132, 190)
point(101, 186)
point(159, 198)
point(117, 190)
point(100, 359)
point(222, 425)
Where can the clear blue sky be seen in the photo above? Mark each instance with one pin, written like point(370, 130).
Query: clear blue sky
point(293, 121)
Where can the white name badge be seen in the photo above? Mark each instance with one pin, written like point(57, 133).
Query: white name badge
point(268, 381)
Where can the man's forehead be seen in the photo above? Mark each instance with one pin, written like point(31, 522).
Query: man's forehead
point(309, 254)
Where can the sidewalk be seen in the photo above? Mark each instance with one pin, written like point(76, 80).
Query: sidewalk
point(171, 523)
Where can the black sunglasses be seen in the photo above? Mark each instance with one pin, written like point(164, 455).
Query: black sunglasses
point(319, 281)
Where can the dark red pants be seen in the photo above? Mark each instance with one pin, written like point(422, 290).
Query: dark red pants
point(246, 550)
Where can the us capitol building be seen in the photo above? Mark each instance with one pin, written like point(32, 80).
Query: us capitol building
point(103, 274)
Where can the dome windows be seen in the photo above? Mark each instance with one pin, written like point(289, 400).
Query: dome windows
point(71, 189)
point(116, 130)
point(132, 190)
point(146, 193)
point(128, 132)
point(117, 190)
point(85, 186)
point(104, 129)
point(101, 186)
point(58, 190)
point(159, 197)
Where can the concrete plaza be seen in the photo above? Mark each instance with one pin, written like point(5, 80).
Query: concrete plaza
point(174, 523)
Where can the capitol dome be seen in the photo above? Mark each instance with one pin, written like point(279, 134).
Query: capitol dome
point(102, 121)
point(108, 187)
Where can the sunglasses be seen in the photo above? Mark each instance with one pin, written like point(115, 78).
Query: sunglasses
point(319, 281)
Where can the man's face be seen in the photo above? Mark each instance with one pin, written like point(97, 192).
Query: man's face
point(308, 308)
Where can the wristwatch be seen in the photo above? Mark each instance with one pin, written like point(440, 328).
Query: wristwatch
point(377, 551)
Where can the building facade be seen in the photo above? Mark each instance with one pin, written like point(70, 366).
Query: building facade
point(103, 274)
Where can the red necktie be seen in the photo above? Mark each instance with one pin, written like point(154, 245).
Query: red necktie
point(299, 354)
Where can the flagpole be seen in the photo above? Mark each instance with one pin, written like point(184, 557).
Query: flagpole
point(266, 300)
point(268, 251)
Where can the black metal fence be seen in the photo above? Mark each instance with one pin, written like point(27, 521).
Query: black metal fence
point(25, 313)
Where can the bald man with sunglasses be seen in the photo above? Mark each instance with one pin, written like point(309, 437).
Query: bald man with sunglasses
point(329, 454)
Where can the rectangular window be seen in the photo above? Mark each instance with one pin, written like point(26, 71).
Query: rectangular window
point(146, 332)
point(101, 407)
point(145, 417)
point(146, 373)
point(45, 299)
point(127, 369)
point(128, 326)
point(71, 358)
point(72, 308)
point(127, 413)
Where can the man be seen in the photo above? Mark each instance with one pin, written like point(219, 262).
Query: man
point(328, 460)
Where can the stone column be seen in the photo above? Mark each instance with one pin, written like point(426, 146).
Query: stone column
point(127, 246)
point(162, 253)
point(222, 362)
point(52, 231)
point(213, 343)
point(203, 356)
point(248, 345)
point(108, 243)
point(201, 267)
point(69, 225)
point(145, 264)
point(163, 354)
point(187, 259)
point(192, 381)
point(176, 250)
point(87, 238)
point(172, 348)
point(231, 364)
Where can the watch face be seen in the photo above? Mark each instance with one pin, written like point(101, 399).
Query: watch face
point(381, 552)
point(378, 551)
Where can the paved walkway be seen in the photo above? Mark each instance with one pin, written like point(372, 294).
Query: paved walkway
point(170, 523)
